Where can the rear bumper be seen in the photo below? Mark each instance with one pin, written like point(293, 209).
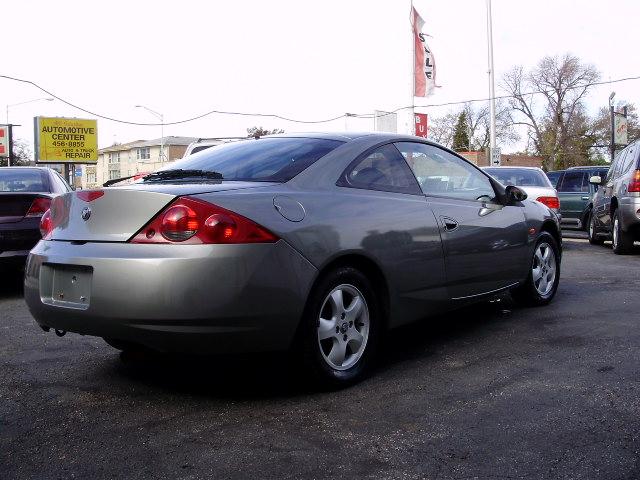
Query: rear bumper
point(16, 239)
point(629, 216)
point(184, 298)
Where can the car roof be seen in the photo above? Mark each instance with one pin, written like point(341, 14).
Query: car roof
point(512, 167)
point(589, 167)
point(347, 136)
point(26, 167)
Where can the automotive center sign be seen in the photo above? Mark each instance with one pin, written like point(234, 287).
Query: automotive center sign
point(66, 140)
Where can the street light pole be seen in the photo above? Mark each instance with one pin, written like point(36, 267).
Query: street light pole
point(161, 117)
point(48, 99)
point(613, 126)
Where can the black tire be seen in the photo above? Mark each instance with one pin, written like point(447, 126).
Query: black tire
point(622, 241)
point(592, 230)
point(311, 350)
point(528, 294)
point(122, 345)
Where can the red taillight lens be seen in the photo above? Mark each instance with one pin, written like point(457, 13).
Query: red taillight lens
point(551, 202)
point(634, 184)
point(192, 221)
point(38, 207)
point(89, 195)
point(46, 225)
point(179, 223)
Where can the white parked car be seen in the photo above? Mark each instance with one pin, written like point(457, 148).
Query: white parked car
point(530, 179)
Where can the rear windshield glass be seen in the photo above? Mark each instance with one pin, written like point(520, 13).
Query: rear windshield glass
point(519, 177)
point(266, 159)
point(22, 180)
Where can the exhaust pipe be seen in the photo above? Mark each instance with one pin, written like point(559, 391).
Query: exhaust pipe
point(60, 333)
point(45, 328)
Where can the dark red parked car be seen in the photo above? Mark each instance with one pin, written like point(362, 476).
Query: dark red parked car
point(25, 194)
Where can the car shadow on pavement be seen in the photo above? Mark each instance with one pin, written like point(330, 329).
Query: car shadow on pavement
point(260, 376)
point(11, 281)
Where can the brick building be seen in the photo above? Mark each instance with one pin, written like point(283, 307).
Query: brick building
point(506, 159)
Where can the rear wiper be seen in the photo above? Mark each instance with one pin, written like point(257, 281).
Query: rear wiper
point(180, 173)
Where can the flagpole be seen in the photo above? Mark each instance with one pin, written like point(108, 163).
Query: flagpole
point(492, 93)
point(412, 112)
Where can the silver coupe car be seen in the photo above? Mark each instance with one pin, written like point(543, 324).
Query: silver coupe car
point(317, 243)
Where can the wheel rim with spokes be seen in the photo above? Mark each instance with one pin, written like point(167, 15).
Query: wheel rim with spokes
point(615, 233)
point(592, 227)
point(343, 327)
point(544, 269)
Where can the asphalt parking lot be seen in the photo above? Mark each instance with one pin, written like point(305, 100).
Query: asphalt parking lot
point(489, 392)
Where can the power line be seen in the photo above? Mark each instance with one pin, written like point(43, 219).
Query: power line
point(293, 120)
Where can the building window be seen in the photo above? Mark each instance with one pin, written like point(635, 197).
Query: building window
point(143, 153)
point(114, 174)
point(91, 177)
point(114, 157)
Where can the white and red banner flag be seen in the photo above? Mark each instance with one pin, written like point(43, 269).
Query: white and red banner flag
point(424, 63)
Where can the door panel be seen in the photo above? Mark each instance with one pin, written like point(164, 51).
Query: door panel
point(486, 249)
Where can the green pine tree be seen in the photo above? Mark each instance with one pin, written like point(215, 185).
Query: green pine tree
point(461, 134)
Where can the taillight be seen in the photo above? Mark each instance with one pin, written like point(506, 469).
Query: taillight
point(634, 184)
point(46, 225)
point(551, 202)
point(89, 195)
point(38, 207)
point(191, 221)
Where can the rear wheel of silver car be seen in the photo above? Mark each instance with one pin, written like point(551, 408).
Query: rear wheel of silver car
point(544, 273)
point(594, 239)
point(338, 338)
point(622, 241)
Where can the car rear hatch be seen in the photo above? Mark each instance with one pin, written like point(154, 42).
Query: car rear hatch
point(117, 214)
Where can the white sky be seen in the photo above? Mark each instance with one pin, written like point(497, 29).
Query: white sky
point(300, 59)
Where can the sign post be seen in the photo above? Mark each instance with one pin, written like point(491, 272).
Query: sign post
point(495, 157)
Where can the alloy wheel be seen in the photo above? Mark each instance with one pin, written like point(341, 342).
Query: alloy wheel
point(615, 232)
point(343, 327)
point(544, 269)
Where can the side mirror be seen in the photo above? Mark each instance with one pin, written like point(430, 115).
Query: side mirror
point(515, 194)
point(595, 180)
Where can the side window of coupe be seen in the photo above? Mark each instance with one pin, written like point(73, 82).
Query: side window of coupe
point(442, 174)
point(382, 169)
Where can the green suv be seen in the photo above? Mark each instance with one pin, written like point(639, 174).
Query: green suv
point(576, 193)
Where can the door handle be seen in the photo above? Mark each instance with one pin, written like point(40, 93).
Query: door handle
point(449, 224)
point(586, 198)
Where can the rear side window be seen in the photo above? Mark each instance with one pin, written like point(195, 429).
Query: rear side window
point(22, 180)
point(268, 159)
point(382, 169)
point(574, 181)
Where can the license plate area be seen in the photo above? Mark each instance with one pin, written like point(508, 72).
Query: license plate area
point(66, 285)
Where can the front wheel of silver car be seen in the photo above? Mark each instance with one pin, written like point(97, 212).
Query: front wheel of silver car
point(339, 334)
point(622, 241)
point(543, 277)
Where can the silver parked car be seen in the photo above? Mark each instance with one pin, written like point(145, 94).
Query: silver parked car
point(616, 203)
point(318, 243)
point(533, 181)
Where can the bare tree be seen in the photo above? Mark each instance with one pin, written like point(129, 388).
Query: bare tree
point(441, 129)
point(554, 116)
point(257, 132)
point(22, 154)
